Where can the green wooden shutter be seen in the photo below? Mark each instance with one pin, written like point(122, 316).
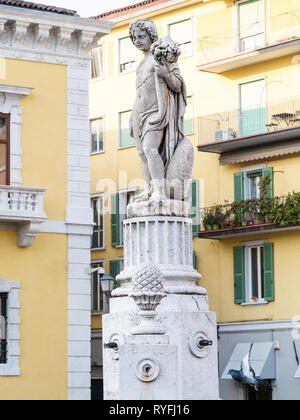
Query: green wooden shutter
point(115, 220)
point(194, 215)
point(269, 172)
point(114, 270)
point(239, 186)
point(195, 260)
point(269, 272)
point(239, 275)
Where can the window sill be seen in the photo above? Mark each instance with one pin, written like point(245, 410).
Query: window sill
point(98, 249)
point(96, 79)
point(255, 303)
point(185, 56)
point(126, 147)
point(7, 371)
point(98, 313)
point(97, 153)
point(120, 73)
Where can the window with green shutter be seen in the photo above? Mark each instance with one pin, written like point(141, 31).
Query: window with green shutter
point(115, 223)
point(269, 272)
point(254, 273)
point(195, 260)
point(239, 186)
point(268, 172)
point(239, 275)
point(195, 211)
point(114, 270)
point(247, 184)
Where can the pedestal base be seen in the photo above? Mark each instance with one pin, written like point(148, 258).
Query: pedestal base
point(187, 319)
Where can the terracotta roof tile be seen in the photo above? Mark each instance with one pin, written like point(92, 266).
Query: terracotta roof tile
point(37, 6)
point(128, 9)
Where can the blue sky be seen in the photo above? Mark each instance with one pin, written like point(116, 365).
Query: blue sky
point(87, 8)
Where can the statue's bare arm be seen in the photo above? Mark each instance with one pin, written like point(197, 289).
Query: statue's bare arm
point(173, 82)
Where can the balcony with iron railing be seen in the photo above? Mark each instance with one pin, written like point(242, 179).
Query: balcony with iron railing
point(257, 42)
point(261, 125)
point(251, 217)
point(25, 208)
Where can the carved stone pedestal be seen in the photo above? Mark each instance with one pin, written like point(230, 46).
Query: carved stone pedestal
point(165, 242)
point(185, 358)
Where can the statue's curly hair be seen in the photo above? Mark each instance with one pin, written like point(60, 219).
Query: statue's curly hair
point(146, 25)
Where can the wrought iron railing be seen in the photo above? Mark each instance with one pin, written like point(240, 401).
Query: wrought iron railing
point(259, 119)
point(282, 211)
point(276, 30)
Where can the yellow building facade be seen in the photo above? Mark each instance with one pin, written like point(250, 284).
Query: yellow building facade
point(240, 61)
point(45, 218)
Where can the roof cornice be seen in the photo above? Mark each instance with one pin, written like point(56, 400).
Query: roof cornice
point(26, 32)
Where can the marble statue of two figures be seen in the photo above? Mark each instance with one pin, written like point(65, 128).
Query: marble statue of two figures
point(157, 126)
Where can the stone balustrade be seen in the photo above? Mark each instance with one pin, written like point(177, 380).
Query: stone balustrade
point(24, 207)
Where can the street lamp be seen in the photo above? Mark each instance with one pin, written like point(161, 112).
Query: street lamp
point(107, 282)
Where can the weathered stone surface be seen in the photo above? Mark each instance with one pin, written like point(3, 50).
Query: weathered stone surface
point(157, 119)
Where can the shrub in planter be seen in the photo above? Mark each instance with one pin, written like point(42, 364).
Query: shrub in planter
point(277, 213)
point(292, 209)
point(209, 218)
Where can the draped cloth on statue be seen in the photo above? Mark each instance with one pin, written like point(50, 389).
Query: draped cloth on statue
point(172, 119)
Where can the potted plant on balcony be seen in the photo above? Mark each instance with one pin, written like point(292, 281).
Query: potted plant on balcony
point(225, 219)
point(209, 219)
point(277, 213)
point(292, 209)
point(220, 217)
point(265, 206)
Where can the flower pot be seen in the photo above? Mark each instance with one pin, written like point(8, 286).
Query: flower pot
point(225, 226)
point(209, 227)
point(216, 227)
point(244, 223)
point(259, 221)
point(250, 223)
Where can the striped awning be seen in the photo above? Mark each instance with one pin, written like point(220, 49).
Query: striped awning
point(255, 154)
point(262, 359)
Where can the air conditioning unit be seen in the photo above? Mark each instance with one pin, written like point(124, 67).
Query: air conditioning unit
point(225, 134)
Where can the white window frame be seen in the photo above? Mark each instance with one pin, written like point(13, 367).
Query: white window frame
point(248, 273)
point(130, 70)
point(122, 193)
point(119, 131)
point(98, 152)
point(263, 99)
point(103, 71)
point(97, 311)
point(246, 179)
point(121, 259)
point(95, 197)
point(238, 48)
point(191, 97)
point(191, 53)
point(11, 367)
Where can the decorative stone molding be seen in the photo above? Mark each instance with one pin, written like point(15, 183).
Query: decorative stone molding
point(48, 37)
point(23, 206)
point(10, 103)
point(147, 292)
point(11, 368)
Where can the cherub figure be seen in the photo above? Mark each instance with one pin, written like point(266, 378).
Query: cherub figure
point(157, 119)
